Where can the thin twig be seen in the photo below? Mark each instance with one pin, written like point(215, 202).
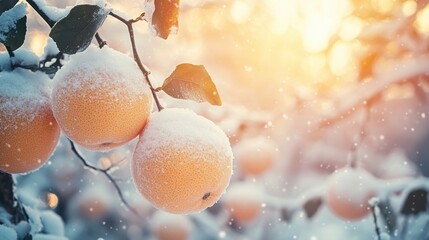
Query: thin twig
point(129, 24)
point(139, 18)
point(374, 216)
point(100, 41)
point(106, 173)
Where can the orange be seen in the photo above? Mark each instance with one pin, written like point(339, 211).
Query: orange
point(167, 226)
point(348, 192)
point(244, 202)
point(100, 99)
point(29, 132)
point(182, 162)
point(255, 156)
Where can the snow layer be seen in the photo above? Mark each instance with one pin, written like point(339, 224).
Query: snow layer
point(53, 13)
point(163, 220)
point(352, 184)
point(149, 6)
point(7, 233)
point(93, 65)
point(244, 192)
point(47, 237)
point(183, 130)
point(9, 18)
point(23, 94)
point(52, 223)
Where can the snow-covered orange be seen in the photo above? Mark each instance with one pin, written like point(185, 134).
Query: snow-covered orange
point(244, 202)
point(348, 192)
point(100, 99)
point(182, 162)
point(29, 132)
point(254, 156)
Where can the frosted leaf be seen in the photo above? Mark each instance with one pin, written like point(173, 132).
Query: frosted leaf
point(9, 18)
point(162, 16)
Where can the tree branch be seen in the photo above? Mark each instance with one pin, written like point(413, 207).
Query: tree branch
point(129, 24)
point(367, 93)
point(8, 200)
point(100, 41)
point(106, 173)
point(374, 216)
point(45, 17)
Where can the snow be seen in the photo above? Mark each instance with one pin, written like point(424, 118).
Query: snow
point(183, 130)
point(34, 219)
point(149, 7)
point(22, 229)
point(7, 233)
point(24, 94)
point(53, 13)
point(9, 18)
point(50, 49)
point(47, 237)
point(52, 223)
point(244, 193)
point(163, 221)
point(92, 66)
point(352, 184)
point(22, 57)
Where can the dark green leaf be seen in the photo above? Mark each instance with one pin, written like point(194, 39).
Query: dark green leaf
point(388, 215)
point(15, 36)
point(191, 82)
point(75, 32)
point(416, 202)
point(6, 5)
point(312, 206)
point(165, 17)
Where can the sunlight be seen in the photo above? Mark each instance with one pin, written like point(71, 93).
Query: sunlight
point(422, 22)
point(37, 44)
point(240, 11)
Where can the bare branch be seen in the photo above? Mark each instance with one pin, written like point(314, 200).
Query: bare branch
point(129, 24)
point(100, 41)
point(106, 173)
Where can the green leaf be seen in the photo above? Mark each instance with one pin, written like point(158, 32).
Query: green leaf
point(192, 82)
point(75, 32)
point(165, 17)
point(6, 5)
point(15, 36)
point(416, 202)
